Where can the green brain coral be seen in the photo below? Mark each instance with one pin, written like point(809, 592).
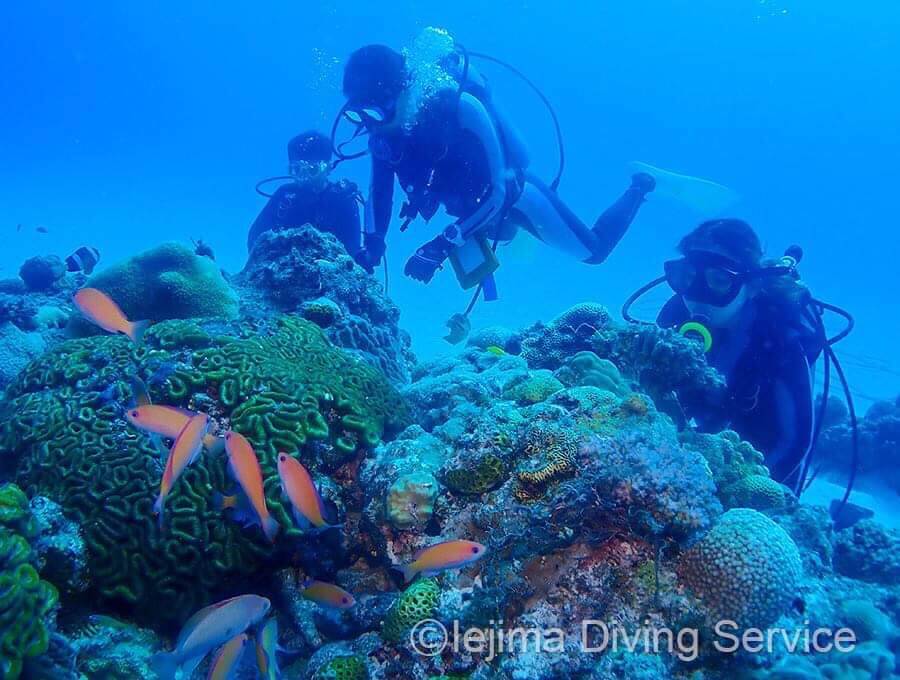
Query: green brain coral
point(476, 476)
point(745, 570)
point(285, 387)
point(25, 600)
point(414, 604)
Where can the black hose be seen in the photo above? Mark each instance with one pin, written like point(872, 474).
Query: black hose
point(854, 427)
point(270, 179)
point(554, 185)
point(851, 322)
point(826, 391)
point(640, 292)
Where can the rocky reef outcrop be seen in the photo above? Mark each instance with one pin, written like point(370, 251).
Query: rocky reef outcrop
point(307, 272)
point(560, 449)
point(879, 445)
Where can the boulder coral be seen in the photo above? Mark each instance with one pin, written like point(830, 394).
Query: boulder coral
point(746, 570)
point(166, 282)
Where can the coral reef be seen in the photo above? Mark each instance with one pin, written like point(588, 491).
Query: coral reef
point(17, 348)
point(759, 492)
point(42, 272)
point(112, 649)
point(550, 345)
point(26, 601)
point(662, 362)
point(166, 282)
point(283, 386)
point(559, 448)
point(59, 547)
point(410, 500)
point(587, 369)
point(746, 570)
point(879, 441)
point(869, 552)
point(349, 667)
point(532, 388)
point(417, 603)
point(304, 270)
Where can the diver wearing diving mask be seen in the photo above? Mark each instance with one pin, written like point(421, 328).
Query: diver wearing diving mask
point(309, 196)
point(752, 319)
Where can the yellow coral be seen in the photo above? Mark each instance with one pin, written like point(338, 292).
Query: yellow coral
point(558, 448)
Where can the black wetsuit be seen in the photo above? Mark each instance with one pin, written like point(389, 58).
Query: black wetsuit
point(335, 210)
point(769, 398)
point(443, 161)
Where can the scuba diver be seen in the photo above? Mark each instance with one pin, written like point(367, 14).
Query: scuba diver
point(763, 331)
point(452, 148)
point(310, 197)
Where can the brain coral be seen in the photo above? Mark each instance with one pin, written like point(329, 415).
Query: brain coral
point(166, 282)
point(284, 387)
point(26, 601)
point(746, 569)
point(759, 492)
point(415, 604)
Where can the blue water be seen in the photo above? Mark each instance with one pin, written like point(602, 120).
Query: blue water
point(125, 124)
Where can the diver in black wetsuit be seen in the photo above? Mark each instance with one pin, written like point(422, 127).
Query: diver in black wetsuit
point(312, 198)
point(753, 318)
point(455, 150)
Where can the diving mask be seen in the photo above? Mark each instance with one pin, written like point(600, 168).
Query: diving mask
point(706, 277)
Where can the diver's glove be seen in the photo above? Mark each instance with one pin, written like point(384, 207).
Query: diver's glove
point(372, 251)
point(428, 259)
point(643, 182)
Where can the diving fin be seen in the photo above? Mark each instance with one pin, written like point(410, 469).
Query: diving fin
point(704, 196)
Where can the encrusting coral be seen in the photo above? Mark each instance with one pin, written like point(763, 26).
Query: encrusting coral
point(285, 387)
point(26, 602)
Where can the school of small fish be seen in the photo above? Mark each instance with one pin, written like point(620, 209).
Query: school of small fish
point(229, 627)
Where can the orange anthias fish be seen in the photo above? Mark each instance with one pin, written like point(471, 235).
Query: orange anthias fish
point(168, 421)
point(245, 468)
point(184, 451)
point(298, 486)
point(441, 556)
point(227, 660)
point(99, 308)
point(209, 629)
point(327, 594)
